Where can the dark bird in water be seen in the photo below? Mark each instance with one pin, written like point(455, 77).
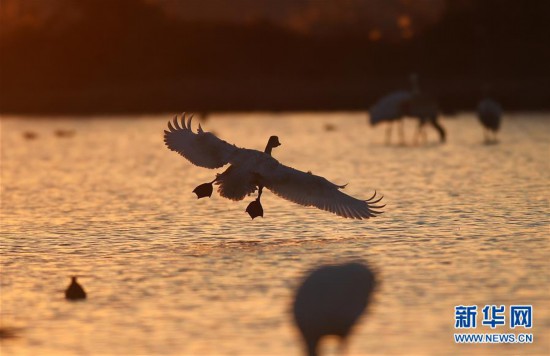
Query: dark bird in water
point(398, 105)
point(75, 291)
point(489, 112)
point(329, 302)
point(8, 332)
point(30, 135)
point(252, 170)
point(64, 133)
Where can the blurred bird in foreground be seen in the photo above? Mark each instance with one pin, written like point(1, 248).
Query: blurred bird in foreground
point(329, 302)
point(489, 113)
point(398, 105)
point(252, 170)
point(75, 290)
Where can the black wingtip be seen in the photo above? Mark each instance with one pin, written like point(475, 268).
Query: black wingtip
point(370, 203)
point(377, 206)
point(375, 201)
point(371, 197)
point(176, 123)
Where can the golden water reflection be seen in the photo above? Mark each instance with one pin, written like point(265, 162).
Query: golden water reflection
point(169, 274)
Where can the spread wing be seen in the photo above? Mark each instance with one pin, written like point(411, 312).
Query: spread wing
point(203, 149)
point(311, 190)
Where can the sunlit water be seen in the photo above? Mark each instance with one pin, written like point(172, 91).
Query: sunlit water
point(465, 223)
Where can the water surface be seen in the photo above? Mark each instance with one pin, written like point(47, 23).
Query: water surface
point(167, 274)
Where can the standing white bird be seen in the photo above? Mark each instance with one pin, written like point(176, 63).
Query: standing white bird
point(330, 300)
point(400, 104)
point(390, 109)
point(252, 170)
point(489, 113)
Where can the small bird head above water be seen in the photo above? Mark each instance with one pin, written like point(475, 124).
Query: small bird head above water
point(75, 290)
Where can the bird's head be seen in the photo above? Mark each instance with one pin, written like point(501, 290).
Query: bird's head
point(273, 141)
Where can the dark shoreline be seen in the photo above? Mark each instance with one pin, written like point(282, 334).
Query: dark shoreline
point(267, 94)
point(170, 114)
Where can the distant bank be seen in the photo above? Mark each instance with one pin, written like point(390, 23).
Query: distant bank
point(264, 94)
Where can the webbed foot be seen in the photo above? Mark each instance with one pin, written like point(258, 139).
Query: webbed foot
point(255, 209)
point(204, 190)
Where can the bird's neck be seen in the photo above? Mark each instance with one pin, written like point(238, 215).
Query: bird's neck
point(268, 149)
point(415, 88)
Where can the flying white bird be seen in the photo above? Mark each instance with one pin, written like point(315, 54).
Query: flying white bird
point(402, 103)
point(252, 170)
point(489, 113)
point(330, 300)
